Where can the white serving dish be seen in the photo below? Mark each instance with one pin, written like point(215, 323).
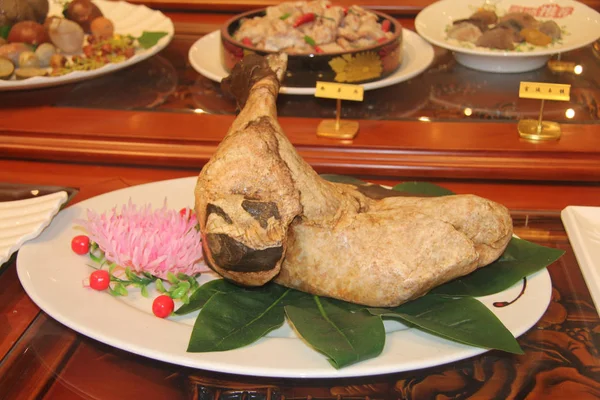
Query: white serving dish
point(128, 19)
point(580, 24)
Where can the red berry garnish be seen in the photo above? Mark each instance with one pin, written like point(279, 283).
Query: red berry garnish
point(99, 279)
point(163, 306)
point(187, 211)
point(80, 244)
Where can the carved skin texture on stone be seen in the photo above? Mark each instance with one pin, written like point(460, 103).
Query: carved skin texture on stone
point(265, 215)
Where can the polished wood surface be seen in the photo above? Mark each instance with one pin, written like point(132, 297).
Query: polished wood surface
point(399, 149)
point(448, 123)
point(404, 7)
point(161, 120)
point(42, 359)
point(410, 7)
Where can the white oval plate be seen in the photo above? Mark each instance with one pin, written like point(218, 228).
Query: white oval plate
point(205, 57)
point(128, 19)
point(52, 276)
point(581, 23)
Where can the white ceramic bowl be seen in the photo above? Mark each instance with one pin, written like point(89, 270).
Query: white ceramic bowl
point(580, 25)
point(129, 19)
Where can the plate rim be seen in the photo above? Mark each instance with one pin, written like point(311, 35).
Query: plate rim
point(419, 26)
point(40, 82)
point(570, 216)
point(425, 55)
point(443, 351)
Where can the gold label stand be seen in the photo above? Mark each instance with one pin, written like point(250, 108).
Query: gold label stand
point(338, 128)
point(539, 129)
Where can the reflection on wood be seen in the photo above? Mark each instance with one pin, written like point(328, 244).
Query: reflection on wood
point(16, 308)
point(36, 359)
point(405, 7)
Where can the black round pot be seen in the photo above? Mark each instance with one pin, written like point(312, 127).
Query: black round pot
point(304, 70)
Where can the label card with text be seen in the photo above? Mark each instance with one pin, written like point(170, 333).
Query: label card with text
point(545, 91)
point(343, 91)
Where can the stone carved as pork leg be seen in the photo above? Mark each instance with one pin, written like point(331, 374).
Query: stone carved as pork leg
point(265, 214)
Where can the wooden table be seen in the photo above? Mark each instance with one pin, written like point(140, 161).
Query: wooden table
point(97, 137)
point(40, 358)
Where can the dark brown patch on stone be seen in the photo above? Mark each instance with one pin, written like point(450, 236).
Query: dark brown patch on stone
point(261, 211)
point(249, 70)
point(232, 255)
point(263, 124)
point(213, 209)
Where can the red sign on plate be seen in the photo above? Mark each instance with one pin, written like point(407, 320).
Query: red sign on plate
point(544, 11)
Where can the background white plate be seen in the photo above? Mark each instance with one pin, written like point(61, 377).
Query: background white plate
point(205, 57)
point(21, 220)
point(128, 19)
point(52, 276)
point(583, 228)
point(583, 27)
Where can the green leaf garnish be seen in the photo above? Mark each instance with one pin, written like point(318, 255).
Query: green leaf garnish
point(422, 188)
point(232, 320)
point(118, 290)
point(97, 258)
point(344, 332)
point(130, 275)
point(180, 289)
point(159, 286)
point(204, 293)
point(520, 259)
point(342, 179)
point(149, 39)
point(310, 40)
point(462, 319)
point(285, 16)
point(172, 278)
point(185, 299)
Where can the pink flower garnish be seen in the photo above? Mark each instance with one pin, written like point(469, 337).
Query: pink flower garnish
point(144, 240)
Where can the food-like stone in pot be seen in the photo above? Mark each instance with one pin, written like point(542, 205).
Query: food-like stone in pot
point(44, 52)
point(514, 27)
point(475, 22)
point(67, 35)
point(26, 73)
point(49, 20)
point(28, 32)
point(506, 32)
point(102, 28)
point(305, 27)
point(551, 29)
point(464, 31)
point(12, 51)
point(83, 12)
point(521, 20)
point(6, 68)
point(497, 38)
point(485, 16)
point(535, 37)
point(13, 11)
point(58, 61)
point(28, 59)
